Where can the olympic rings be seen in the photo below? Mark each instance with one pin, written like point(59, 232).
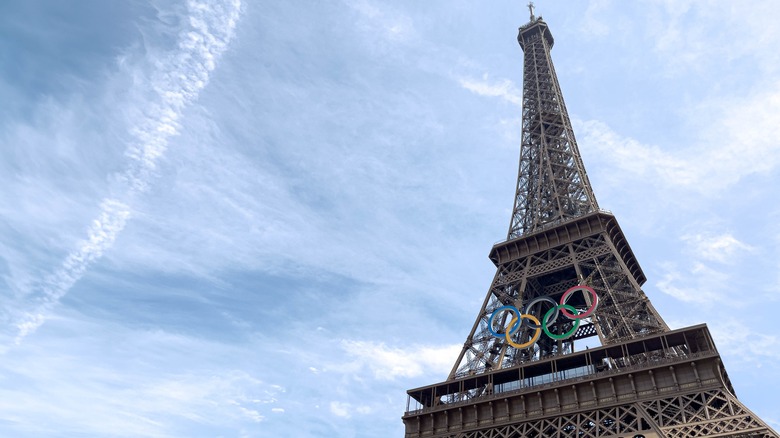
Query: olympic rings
point(527, 310)
point(567, 334)
point(533, 339)
point(523, 317)
point(588, 312)
point(512, 331)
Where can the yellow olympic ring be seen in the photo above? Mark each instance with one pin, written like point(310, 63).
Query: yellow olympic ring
point(538, 333)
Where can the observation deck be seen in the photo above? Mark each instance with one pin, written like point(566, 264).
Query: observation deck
point(674, 362)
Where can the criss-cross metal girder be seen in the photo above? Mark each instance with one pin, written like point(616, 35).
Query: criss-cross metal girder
point(509, 381)
point(558, 238)
point(552, 185)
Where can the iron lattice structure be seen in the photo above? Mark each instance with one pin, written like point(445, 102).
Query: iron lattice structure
point(552, 185)
point(558, 237)
point(644, 382)
point(671, 384)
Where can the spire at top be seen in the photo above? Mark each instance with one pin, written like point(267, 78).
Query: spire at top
point(552, 186)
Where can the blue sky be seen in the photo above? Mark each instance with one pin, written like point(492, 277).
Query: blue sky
point(271, 219)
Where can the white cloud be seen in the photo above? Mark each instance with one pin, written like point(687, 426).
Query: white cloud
point(736, 339)
point(230, 393)
point(594, 22)
point(389, 363)
point(252, 414)
point(697, 284)
point(706, 273)
point(176, 83)
point(692, 36)
point(92, 398)
point(340, 409)
point(721, 248)
point(698, 35)
point(345, 410)
point(504, 89)
point(632, 157)
point(383, 21)
point(101, 236)
point(739, 143)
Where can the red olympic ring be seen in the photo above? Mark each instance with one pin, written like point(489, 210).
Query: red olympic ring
point(588, 312)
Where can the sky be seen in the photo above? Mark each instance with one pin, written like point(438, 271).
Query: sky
point(233, 218)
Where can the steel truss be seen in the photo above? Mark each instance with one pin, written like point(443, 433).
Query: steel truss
point(590, 249)
point(699, 414)
point(552, 185)
point(645, 381)
point(671, 384)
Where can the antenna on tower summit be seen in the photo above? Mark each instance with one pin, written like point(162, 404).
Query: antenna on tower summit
point(531, 8)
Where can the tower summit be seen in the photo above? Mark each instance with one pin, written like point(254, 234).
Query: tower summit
point(552, 185)
point(564, 273)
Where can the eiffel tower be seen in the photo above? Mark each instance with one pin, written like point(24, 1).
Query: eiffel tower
point(565, 273)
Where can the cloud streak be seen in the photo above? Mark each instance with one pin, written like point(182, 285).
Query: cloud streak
point(390, 363)
point(504, 89)
point(738, 148)
point(722, 248)
point(176, 82)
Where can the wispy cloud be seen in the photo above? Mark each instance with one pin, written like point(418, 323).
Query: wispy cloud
point(346, 410)
point(209, 400)
point(697, 283)
point(392, 25)
point(234, 394)
point(175, 83)
point(390, 363)
point(503, 88)
point(720, 248)
point(704, 276)
point(593, 23)
point(746, 344)
point(735, 147)
point(713, 33)
point(101, 236)
point(690, 36)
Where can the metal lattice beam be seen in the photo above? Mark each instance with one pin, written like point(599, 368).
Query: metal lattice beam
point(552, 185)
point(645, 381)
point(586, 253)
